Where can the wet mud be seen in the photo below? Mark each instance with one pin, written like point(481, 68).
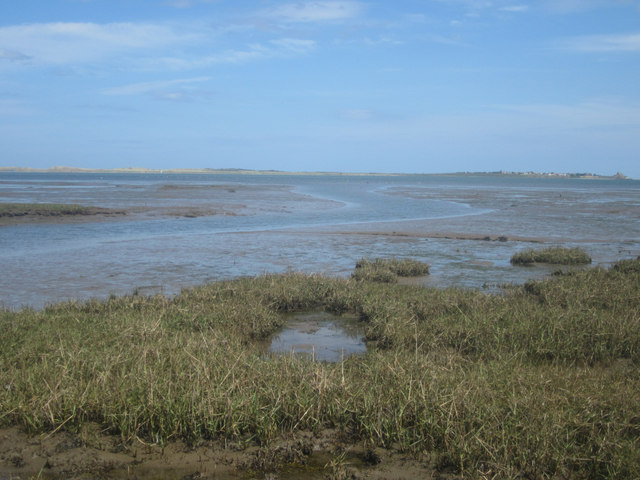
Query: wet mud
point(93, 454)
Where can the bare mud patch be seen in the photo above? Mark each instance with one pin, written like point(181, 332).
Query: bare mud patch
point(93, 454)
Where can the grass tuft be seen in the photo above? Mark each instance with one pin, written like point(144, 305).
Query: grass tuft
point(387, 270)
point(18, 210)
point(552, 255)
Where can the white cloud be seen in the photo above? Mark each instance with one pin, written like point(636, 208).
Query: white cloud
point(320, 11)
point(603, 43)
point(277, 48)
point(473, 4)
point(60, 43)
point(515, 8)
point(165, 88)
point(186, 3)
point(180, 3)
point(572, 6)
point(142, 46)
point(294, 45)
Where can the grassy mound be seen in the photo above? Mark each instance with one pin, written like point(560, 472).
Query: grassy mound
point(540, 382)
point(552, 255)
point(41, 209)
point(387, 270)
point(18, 210)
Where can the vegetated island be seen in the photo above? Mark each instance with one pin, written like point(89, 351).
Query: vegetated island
point(139, 170)
point(551, 255)
point(17, 212)
point(541, 381)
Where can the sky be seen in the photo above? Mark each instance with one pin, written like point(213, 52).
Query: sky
point(407, 86)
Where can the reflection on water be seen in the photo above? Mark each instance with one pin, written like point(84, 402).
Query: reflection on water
point(320, 335)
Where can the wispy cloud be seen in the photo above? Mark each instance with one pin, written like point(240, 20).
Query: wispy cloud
point(177, 89)
point(572, 6)
point(481, 4)
point(310, 11)
point(514, 8)
point(179, 3)
point(143, 46)
point(61, 43)
point(276, 48)
point(603, 43)
point(294, 45)
point(186, 3)
point(13, 55)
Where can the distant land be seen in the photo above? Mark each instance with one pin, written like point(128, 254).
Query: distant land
point(617, 176)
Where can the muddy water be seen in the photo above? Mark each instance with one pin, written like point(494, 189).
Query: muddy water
point(184, 230)
point(321, 336)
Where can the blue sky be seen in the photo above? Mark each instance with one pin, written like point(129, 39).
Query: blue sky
point(425, 86)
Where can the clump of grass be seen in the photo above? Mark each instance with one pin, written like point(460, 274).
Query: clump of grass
point(540, 382)
point(49, 210)
point(387, 270)
point(552, 255)
point(627, 266)
point(21, 209)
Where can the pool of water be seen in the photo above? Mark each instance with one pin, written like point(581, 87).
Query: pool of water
point(321, 336)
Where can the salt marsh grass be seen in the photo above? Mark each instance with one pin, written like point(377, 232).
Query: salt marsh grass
point(16, 211)
point(387, 270)
point(552, 255)
point(539, 382)
point(21, 209)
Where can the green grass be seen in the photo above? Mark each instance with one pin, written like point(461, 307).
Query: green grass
point(552, 255)
point(387, 270)
point(542, 381)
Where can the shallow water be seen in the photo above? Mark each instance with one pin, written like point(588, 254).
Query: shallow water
point(321, 336)
point(184, 230)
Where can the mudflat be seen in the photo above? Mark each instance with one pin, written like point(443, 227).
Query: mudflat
point(92, 453)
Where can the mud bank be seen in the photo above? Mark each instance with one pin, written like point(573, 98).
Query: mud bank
point(11, 214)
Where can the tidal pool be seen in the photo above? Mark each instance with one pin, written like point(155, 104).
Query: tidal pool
point(321, 335)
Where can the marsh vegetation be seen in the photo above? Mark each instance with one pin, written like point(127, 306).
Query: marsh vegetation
point(552, 255)
point(388, 270)
point(39, 210)
point(541, 381)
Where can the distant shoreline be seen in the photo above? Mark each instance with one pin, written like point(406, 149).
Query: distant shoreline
point(241, 171)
